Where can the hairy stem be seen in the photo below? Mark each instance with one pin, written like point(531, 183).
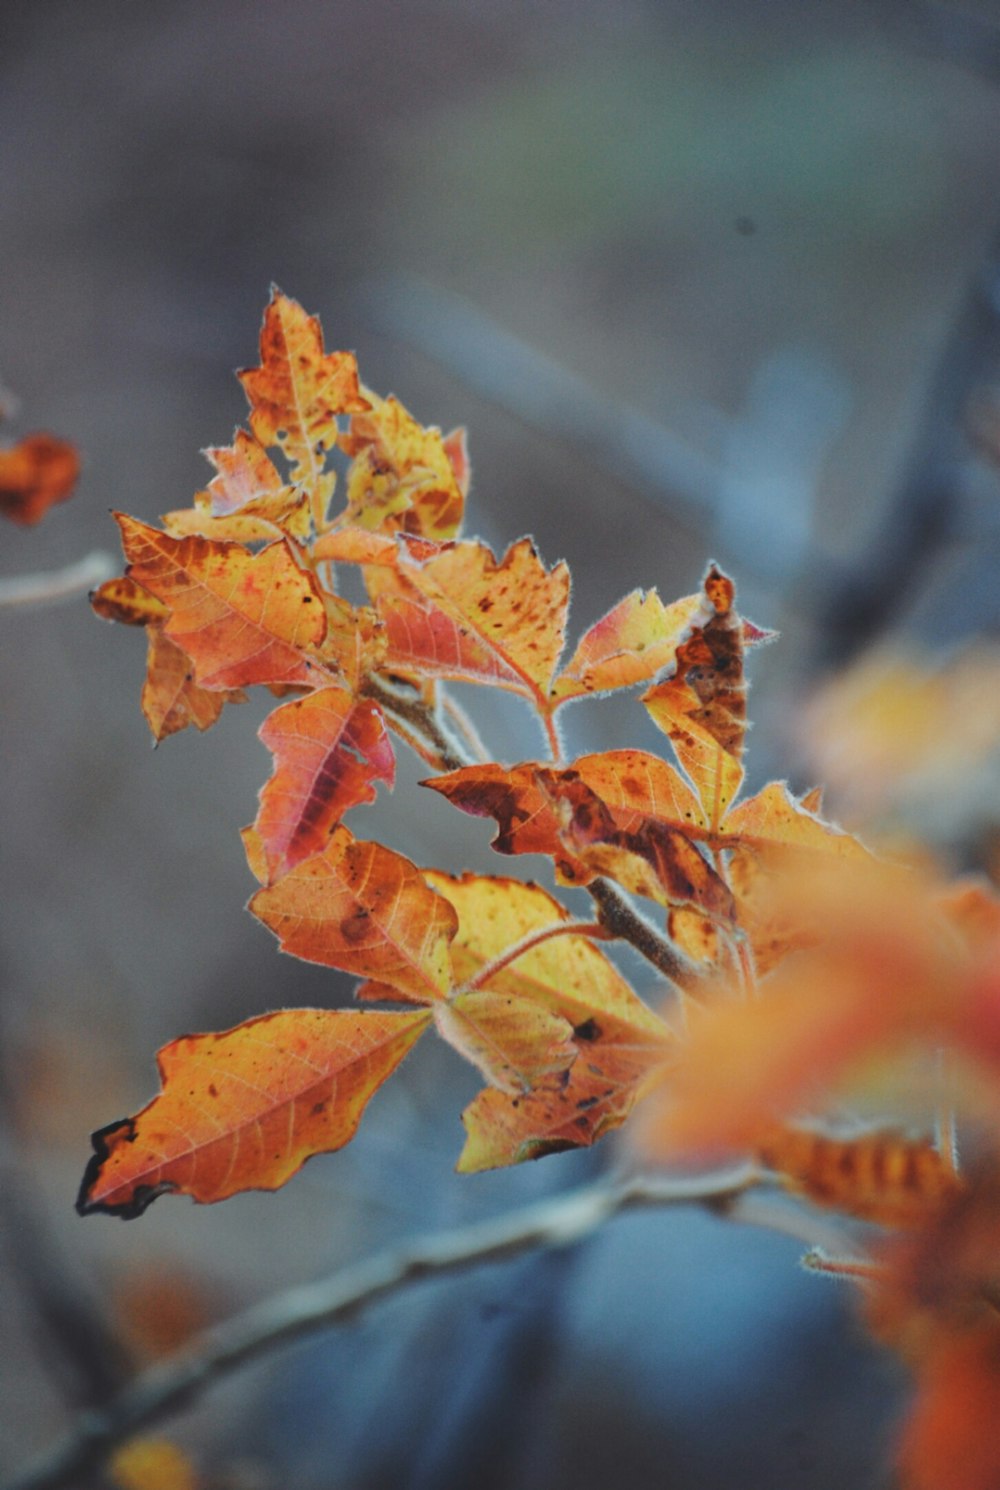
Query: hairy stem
point(557, 1222)
point(622, 921)
point(595, 929)
point(421, 722)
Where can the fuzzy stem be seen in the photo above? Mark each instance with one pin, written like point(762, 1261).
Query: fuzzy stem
point(421, 723)
point(594, 929)
point(622, 921)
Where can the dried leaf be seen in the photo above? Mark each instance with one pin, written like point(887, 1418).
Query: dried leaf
point(244, 1110)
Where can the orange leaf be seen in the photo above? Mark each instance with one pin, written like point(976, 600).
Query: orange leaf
point(151, 1464)
point(367, 910)
point(631, 644)
point(329, 751)
point(514, 1042)
point(242, 618)
point(171, 699)
point(35, 474)
point(245, 1109)
point(773, 820)
point(476, 619)
point(122, 600)
point(298, 391)
point(401, 475)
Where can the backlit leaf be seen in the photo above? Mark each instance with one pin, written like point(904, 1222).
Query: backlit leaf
point(171, 699)
point(329, 752)
point(245, 1109)
point(298, 390)
point(241, 617)
point(631, 644)
point(365, 909)
point(401, 475)
point(122, 600)
point(515, 1042)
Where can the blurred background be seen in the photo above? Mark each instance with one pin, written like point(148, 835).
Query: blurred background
point(703, 279)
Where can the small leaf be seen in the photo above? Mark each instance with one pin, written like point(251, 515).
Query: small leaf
point(35, 474)
point(365, 909)
point(245, 1109)
point(171, 699)
point(241, 617)
point(329, 752)
point(631, 644)
point(401, 475)
point(122, 600)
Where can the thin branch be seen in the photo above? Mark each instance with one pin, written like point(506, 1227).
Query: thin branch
point(622, 921)
point(559, 1221)
point(59, 584)
point(404, 712)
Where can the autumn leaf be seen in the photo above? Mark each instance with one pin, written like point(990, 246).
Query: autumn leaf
point(245, 1109)
point(329, 751)
point(631, 644)
point(474, 618)
point(35, 474)
point(241, 617)
point(122, 600)
point(773, 822)
point(298, 391)
point(401, 475)
point(171, 699)
point(152, 1464)
point(515, 1042)
point(367, 910)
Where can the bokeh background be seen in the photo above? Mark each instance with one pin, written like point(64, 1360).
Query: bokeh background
point(702, 278)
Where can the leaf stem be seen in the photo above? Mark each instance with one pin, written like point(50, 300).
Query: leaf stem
point(559, 1221)
point(594, 929)
point(623, 922)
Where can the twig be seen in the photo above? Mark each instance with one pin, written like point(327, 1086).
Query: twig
point(556, 1222)
point(59, 584)
point(622, 921)
point(419, 718)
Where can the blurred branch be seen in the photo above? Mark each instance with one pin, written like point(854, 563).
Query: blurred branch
point(560, 1221)
point(58, 584)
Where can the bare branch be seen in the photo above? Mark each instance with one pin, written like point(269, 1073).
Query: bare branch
point(59, 584)
point(622, 921)
point(559, 1221)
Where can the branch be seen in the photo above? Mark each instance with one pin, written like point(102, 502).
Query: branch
point(556, 1222)
point(622, 921)
point(58, 584)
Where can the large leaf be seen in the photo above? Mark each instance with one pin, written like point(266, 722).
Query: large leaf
point(241, 617)
point(329, 751)
point(245, 1109)
point(367, 910)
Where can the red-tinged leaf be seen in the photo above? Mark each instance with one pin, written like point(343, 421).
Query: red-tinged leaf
point(564, 1112)
point(35, 474)
point(568, 975)
point(122, 600)
point(247, 477)
point(298, 390)
point(367, 910)
point(401, 475)
point(515, 1042)
point(702, 708)
point(171, 699)
point(631, 644)
point(241, 617)
point(329, 752)
point(477, 619)
point(245, 1109)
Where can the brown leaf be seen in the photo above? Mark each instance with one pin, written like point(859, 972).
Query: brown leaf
point(35, 474)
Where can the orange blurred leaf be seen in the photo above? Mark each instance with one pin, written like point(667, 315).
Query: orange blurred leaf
point(35, 474)
point(152, 1464)
point(329, 752)
point(365, 909)
point(241, 617)
point(245, 1109)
